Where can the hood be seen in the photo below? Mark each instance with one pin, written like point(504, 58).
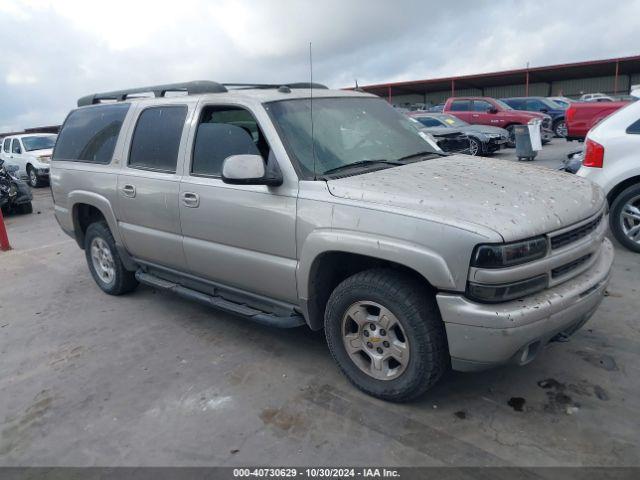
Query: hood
point(516, 201)
point(38, 153)
point(441, 131)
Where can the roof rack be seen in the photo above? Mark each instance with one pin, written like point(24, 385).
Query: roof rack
point(266, 86)
point(191, 88)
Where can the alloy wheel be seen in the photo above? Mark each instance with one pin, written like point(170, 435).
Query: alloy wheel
point(102, 260)
point(561, 129)
point(33, 178)
point(630, 219)
point(473, 146)
point(375, 340)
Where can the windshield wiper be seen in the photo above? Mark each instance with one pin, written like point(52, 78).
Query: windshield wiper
point(422, 154)
point(362, 164)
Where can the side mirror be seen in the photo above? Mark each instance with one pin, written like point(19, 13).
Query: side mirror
point(248, 170)
point(492, 110)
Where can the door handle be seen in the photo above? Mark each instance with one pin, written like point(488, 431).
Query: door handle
point(191, 200)
point(129, 191)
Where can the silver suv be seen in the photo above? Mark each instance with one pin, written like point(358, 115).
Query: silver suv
point(295, 204)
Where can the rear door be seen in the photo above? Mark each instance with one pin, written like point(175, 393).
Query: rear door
point(241, 236)
point(462, 109)
point(149, 185)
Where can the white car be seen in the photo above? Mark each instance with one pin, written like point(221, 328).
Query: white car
point(612, 160)
point(31, 153)
point(595, 97)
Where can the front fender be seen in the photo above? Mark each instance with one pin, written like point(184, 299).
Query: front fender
point(411, 255)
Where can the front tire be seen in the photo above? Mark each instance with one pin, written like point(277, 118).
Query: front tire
point(34, 181)
point(104, 262)
point(624, 218)
point(475, 147)
point(385, 332)
point(511, 143)
point(560, 129)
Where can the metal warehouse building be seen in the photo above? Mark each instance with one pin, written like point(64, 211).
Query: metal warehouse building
point(614, 77)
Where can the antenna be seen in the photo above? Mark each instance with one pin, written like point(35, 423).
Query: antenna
point(313, 143)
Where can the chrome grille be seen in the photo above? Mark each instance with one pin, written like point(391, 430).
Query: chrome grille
point(575, 234)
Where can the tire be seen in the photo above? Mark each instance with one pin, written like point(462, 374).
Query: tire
point(511, 143)
point(99, 242)
point(560, 128)
point(475, 147)
point(624, 218)
point(25, 208)
point(34, 181)
point(419, 328)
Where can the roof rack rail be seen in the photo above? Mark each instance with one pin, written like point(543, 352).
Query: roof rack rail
point(276, 85)
point(191, 88)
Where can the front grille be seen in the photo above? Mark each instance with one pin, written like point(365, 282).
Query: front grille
point(452, 142)
point(566, 268)
point(575, 234)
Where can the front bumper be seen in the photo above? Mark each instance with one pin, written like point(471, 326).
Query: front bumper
point(481, 336)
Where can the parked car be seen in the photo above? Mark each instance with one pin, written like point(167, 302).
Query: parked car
point(542, 105)
point(611, 161)
point(411, 260)
point(449, 140)
point(15, 195)
point(562, 101)
point(483, 139)
point(581, 116)
point(436, 108)
point(489, 111)
point(595, 97)
point(31, 153)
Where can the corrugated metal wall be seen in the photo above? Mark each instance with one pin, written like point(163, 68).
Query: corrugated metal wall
point(570, 88)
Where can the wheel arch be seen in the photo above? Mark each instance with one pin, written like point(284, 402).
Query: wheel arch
point(330, 257)
point(621, 187)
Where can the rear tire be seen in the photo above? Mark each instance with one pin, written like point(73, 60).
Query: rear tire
point(411, 356)
point(624, 218)
point(104, 262)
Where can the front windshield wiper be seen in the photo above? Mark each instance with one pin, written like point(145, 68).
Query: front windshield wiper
point(424, 153)
point(362, 164)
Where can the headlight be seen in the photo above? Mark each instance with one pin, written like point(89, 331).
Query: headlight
point(505, 292)
point(45, 158)
point(534, 121)
point(509, 254)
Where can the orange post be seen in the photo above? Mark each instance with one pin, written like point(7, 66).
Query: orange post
point(4, 239)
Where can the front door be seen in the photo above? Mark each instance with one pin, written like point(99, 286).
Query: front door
point(241, 236)
point(149, 184)
point(16, 157)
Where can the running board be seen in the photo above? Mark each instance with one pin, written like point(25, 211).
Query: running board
point(269, 319)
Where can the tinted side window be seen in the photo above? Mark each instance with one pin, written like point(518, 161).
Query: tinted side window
point(535, 105)
point(90, 134)
point(223, 132)
point(634, 127)
point(15, 146)
point(517, 104)
point(156, 139)
point(481, 106)
point(461, 106)
point(5, 144)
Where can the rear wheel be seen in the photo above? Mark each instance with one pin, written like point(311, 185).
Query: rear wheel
point(624, 218)
point(104, 262)
point(385, 332)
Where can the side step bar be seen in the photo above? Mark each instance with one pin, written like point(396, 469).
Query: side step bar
point(269, 319)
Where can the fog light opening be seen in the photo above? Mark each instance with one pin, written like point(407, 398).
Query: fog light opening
point(529, 352)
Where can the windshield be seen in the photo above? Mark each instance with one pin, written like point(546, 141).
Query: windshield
point(39, 142)
point(502, 104)
point(346, 131)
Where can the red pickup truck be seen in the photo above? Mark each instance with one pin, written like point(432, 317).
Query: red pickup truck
point(489, 111)
point(581, 116)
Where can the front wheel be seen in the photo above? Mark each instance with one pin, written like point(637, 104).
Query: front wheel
point(511, 142)
point(385, 332)
point(560, 129)
point(624, 218)
point(105, 264)
point(475, 148)
point(34, 181)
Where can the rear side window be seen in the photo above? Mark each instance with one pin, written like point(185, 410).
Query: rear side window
point(5, 144)
point(156, 139)
point(634, 127)
point(461, 106)
point(90, 134)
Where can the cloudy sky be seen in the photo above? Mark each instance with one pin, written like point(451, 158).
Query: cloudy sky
point(56, 51)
